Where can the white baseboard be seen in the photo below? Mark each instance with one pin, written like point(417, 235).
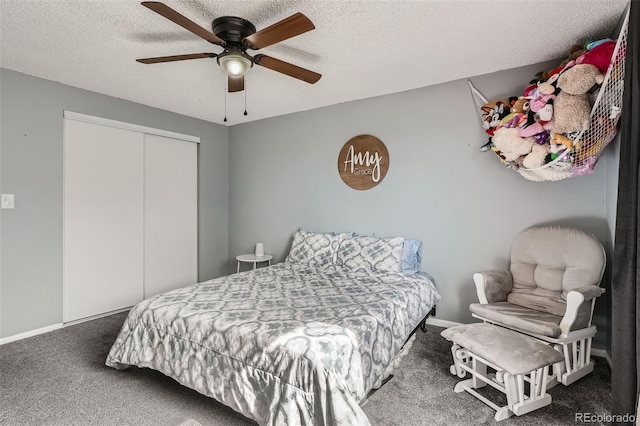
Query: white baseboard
point(93, 317)
point(30, 333)
point(442, 323)
point(54, 327)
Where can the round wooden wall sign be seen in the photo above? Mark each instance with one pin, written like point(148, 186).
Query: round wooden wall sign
point(363, 162)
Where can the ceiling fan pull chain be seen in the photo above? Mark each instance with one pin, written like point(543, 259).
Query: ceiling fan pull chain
point(245, 96)
point(225, 101)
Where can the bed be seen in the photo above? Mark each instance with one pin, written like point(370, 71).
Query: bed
point(300, 342)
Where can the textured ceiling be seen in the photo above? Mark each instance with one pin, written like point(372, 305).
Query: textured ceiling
point(362, 48)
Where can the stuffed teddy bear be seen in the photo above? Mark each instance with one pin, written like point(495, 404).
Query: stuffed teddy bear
point(519, 104)
point(536, 157)
point(510, 144)
point(571, 107)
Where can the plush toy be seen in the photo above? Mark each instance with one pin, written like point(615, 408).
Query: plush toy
point(594, 43)
point(510, 144)
point(515, 119)
point(531, 126)
point(558, 139)
point(542, 138)
point(519, 108)
point(492, 113)
point(574, 53)
point(599, 54)
point(571, 107)
point(542, 100)
point(519, 104)
point(540, 107)
point(536, 157)
point(592, 143)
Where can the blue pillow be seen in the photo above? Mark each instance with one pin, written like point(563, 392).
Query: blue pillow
point(411, 256)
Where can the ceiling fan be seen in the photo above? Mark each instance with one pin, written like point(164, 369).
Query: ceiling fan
point(236, 36)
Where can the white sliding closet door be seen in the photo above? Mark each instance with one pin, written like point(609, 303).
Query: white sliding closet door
point(170, 214)
point(103, 219)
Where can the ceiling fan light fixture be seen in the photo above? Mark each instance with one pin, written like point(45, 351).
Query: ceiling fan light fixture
point(235, 64)
point(236, 35)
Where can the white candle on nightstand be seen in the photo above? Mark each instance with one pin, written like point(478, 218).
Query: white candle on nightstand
point(259, 249)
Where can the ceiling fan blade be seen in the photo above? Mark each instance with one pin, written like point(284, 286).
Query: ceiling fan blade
point(236, 83)
point(289, 27)
point(184, 22)
point(176, 58)
point(287, 68)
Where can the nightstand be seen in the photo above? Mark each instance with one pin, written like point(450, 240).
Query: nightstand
point(252, 258)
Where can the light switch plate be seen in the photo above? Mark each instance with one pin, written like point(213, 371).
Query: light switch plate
point(7, 201)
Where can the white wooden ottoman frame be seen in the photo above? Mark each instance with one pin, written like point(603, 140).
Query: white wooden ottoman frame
point(513, 386)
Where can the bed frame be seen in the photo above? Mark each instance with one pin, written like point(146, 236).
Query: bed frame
point(422, 325)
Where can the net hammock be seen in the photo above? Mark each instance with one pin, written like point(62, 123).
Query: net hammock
point(579, 156)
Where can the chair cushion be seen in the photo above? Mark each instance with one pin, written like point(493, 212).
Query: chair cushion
point(519, 317)
point(511, 351)
point(549, 261)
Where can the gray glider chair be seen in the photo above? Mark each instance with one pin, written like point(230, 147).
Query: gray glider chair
point(549, 293)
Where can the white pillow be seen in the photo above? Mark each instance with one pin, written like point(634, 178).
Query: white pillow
point(313, 248)
point(381, 254)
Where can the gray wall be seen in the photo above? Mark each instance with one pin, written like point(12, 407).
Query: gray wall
point(31, 168)
point(462, 203)
point(260, 181)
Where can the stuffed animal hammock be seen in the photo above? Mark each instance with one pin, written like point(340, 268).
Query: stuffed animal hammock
point(563, 121)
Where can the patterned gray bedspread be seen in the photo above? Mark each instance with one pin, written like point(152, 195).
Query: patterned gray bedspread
point(287, 344)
